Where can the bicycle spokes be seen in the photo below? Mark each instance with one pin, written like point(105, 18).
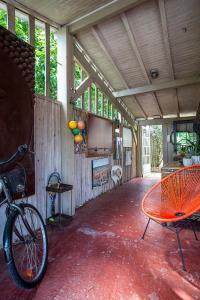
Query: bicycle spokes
point(28, 246)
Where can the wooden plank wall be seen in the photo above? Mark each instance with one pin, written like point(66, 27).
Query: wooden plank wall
point(83, 177)
point(47, 149)
point(83, 180)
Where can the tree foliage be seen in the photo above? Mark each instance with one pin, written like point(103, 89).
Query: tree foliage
point(22, 31)
point(156, 146)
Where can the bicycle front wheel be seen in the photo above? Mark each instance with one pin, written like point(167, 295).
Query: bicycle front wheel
point(26, 246)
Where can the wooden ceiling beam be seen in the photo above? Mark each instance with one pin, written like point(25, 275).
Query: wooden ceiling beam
point(32, 12)
point(99, 38)
point(163, 17)
point(157, 87)
point(140, 60)
point(134, 46)
point(104, 12)
point(81, 89)
point(94, 77)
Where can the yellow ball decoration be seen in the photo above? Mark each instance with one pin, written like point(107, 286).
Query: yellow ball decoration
point(72, 124)
point(78, 139)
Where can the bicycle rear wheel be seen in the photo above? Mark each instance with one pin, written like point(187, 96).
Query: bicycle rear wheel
point(26, 251)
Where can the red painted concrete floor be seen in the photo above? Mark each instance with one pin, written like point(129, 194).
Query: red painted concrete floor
point(100, 256)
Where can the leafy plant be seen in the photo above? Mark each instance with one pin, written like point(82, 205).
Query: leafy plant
point(22, 29)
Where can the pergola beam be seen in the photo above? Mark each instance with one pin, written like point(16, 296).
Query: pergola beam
point(94, 77)
point(104, 12)
point(157, 87)
point(167, 45)
point(140, 61)
point(98, 36)
point(81, 89)
point(32, 12)
point(107, 52)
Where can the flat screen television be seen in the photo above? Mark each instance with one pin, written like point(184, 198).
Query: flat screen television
point(99, 136)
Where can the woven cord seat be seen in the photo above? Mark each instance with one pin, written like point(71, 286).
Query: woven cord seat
point(174, 198)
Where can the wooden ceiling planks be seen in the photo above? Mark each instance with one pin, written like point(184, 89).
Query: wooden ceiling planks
point(161, 34)
point(134, 107)
point(90, 44)
point(63, 11)
point(145, 23)
point(189, 97)
point(149, 105)
point(184, 33)
point(117, 41)
point(168, 101)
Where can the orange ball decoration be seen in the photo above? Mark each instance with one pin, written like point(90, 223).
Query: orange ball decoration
point(78, 139)
point(81, 125)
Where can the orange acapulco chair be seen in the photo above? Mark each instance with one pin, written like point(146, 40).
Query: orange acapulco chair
point(173, 199)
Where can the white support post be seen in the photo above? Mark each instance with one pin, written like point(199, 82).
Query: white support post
point(65, 86)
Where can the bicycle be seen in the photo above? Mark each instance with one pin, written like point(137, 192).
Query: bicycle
point(25, 241)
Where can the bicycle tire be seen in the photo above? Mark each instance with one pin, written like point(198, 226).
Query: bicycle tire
point(8, 250)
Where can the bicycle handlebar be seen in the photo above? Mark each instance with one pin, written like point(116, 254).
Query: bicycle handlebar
point(22, 149)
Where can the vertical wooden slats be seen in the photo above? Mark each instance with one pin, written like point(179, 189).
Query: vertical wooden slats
point(47, 152)
point(89, 99)
point(47, 68)
point(11, 17)
point(96, 99)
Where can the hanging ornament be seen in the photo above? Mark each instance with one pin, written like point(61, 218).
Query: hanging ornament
point(75, 131)
point(78, 139)
point(81, 125)
point(72, 124)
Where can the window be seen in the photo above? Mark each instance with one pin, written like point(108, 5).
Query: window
point(105, 107)
point(184, 136)
point(93, 97)
point(77, 75)
point(3, 15)
point(40, 44)
point(86, 100)
point(53, 64)
point(110, 110)
point(21, 26)
point(100, 101)
point(184, 139)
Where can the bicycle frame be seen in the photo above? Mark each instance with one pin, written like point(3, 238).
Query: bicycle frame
point(9, 201)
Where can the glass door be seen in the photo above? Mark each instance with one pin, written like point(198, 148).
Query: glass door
point(146, 153)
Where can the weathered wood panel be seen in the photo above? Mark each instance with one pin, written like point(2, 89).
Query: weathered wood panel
point(47, 152)
point(83, 177)
point(83, 180)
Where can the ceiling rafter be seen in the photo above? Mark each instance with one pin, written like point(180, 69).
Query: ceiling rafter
point(32, 12)
point(139, 58)
point(81, 89)
point(163, 17)
point(98, 36)
point(158, 87)
point(104, 12)
point(81, 57)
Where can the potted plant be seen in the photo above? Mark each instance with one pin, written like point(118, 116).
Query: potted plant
point(196, 156)
point(187, 157)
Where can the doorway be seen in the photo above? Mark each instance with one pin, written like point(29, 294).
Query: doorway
point(152, 150)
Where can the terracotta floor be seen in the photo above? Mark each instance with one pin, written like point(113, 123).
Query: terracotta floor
point(100, 256)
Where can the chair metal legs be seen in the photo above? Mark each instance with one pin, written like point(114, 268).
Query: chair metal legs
point(193, 229)
point(146, 229)
point(177, 231)
point(180, 249)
